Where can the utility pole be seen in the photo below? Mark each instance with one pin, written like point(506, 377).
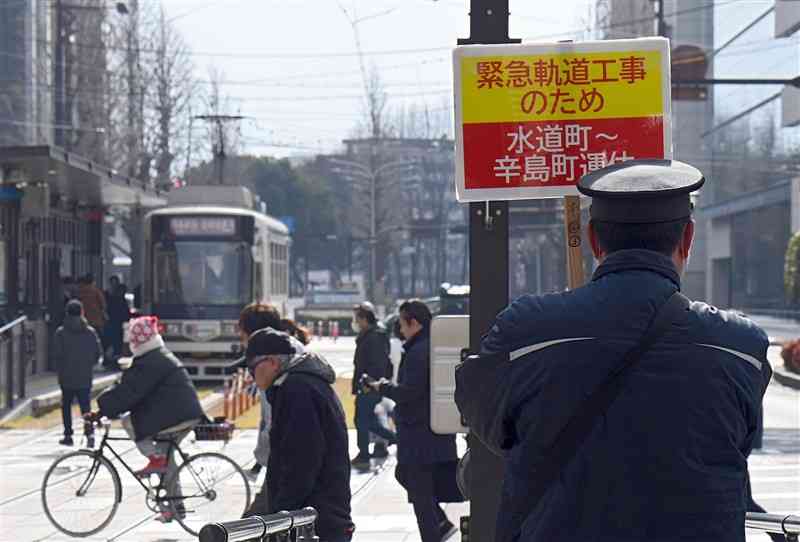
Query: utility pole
point(219, 147)
point(488, 254)
point(661, 28)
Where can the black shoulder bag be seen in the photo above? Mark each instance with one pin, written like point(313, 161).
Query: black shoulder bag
point(541, 476)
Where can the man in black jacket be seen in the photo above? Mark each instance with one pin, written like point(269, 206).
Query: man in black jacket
point(76, 350)
point(372, 359)
point(157, 392)
point(308, 462)
point(424, 459)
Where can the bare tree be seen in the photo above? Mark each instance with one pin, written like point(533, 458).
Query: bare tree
point(130, 41)
point(173, 85)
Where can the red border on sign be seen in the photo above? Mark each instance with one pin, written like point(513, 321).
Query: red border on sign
point(554, 153)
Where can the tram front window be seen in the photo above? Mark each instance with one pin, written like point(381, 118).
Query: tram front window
point(203, 273)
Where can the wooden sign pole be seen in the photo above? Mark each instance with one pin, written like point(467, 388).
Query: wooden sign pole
point(572, 234)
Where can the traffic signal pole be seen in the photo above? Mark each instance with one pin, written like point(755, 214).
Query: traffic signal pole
point(488, 254)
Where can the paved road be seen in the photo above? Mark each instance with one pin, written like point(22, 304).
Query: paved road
point(339, 353)
point(775, 469)
point(26, 455)
point(780, 329)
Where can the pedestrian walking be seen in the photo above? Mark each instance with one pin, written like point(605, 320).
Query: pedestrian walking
point(255, 317)
point(159, 398)
point(371, 358)
point(76, 349)
point(118, 314)
point(627, 412)
point(94, 305)
point(426, 462)
point(308, 461)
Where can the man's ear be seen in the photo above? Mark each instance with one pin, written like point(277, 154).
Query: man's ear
point(687, 239)
point(593, 242)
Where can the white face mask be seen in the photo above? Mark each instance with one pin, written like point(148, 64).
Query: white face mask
point(355, 327)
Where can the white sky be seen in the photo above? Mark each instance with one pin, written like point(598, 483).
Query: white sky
point(292, 64)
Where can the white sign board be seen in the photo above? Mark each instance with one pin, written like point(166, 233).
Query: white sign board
point(532, 119)
point(449, 335)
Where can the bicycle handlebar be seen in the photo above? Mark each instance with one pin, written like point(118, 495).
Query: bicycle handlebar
point(102, 421)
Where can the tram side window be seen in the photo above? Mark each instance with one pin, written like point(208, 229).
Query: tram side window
point(279, 276)
point(259, 279)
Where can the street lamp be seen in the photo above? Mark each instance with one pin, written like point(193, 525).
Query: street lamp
point(371, 175)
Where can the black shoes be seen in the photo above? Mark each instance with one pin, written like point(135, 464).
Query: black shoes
point(252, 472)
point(360, 461)
point(380, 451)
point(66, 441)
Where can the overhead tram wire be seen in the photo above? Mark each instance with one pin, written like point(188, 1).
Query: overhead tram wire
point(289, 56)
point(388, 52)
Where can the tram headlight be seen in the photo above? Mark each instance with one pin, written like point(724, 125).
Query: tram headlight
point(170, 329)
point(229, 329)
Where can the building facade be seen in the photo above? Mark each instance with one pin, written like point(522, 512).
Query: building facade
point(26, 70)
point(735, 136)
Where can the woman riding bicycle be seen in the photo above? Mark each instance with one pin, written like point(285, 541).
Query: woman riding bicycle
point(160, 399)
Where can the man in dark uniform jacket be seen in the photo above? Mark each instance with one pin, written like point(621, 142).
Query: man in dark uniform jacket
point(308, 461)
point(423, 457)
point(371, 358)
point(668, 460)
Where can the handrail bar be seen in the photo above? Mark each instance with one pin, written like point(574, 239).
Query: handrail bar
point(258, 527)
point(774, 523)
point(11, 325)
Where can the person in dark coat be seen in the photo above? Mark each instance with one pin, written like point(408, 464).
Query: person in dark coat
point(371, 358)
point(118, 314)
point(160, 397)
point(308, 461)
point(668, 459)
point(76, 350)
point(254, 317)
point(423, 457)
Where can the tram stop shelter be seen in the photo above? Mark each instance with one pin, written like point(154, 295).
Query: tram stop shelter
point(52, 209)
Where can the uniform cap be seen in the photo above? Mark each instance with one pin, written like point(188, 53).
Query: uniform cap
point(642, 191)
point(269, 342)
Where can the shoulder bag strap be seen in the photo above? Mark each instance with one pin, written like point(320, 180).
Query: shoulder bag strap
point(544, 473)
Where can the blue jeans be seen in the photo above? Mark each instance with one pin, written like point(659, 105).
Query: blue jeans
point(367, 422)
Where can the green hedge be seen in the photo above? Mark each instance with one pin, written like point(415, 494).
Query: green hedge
point(791, 276)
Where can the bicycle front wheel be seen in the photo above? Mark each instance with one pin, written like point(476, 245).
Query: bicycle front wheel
point(81, 493)
point(209, 486)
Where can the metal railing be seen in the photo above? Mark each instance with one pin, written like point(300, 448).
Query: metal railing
point(14, 353)
point(789, 526)
point(283, 526)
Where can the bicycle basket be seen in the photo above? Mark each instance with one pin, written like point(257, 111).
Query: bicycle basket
point(216, 430)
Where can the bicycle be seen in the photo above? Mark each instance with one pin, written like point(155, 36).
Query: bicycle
point(85, 486)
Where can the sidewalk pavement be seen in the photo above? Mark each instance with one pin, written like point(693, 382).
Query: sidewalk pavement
point(43, 393)
point(379, 506)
